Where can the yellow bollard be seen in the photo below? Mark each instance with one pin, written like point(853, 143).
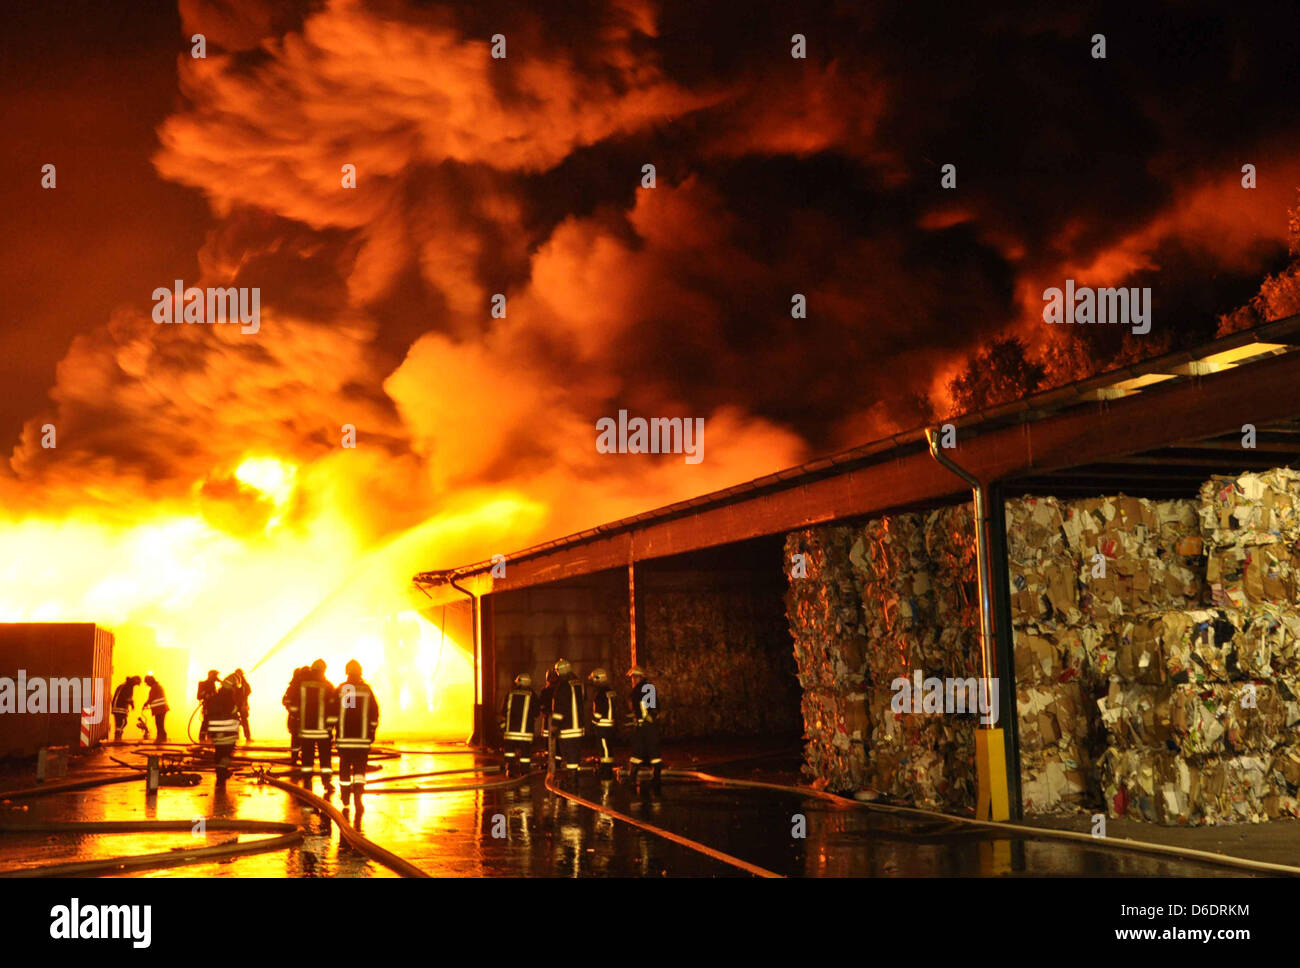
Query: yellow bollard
point(991, 773)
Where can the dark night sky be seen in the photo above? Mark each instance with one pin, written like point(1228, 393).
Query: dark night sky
point(775, 176)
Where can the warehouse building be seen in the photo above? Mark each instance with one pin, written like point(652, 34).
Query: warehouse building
point(708, 592)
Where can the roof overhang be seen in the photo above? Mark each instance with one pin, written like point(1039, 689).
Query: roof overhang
point(1170, 419)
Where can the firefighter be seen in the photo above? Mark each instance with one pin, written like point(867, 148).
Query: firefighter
point(223, 725)
point(357, 712)
point(157, 704)
point(242, 691)
point(123, 701)
point(290, 703)
point(316, 707)
point(568, 717)
point(646, 710)
point(518, 722)
point(602, 721)
point(207, 689)
point(544, 707)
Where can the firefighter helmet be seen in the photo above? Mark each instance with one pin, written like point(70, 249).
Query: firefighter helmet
point(563, 667)
point(353, 668)
point(636, 670)
point(318, 665)
point(524, 681)
point(599, 676)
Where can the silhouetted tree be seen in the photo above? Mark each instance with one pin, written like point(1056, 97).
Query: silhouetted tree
point(1000, 372)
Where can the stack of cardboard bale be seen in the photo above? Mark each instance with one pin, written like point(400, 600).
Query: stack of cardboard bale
point(1193, 710)
point(950, 547)
point(1055, 655)
point(823, 609)
point(923, 758)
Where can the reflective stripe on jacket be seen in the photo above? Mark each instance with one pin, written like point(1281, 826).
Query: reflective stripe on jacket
point(602, 707)
point(520, 711)
point(314, 699)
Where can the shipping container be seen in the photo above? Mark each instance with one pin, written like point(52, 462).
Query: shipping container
point(47, 670)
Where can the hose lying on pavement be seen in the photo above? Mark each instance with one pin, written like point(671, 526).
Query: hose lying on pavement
point(289, 834)
point(1137, 846)
point(48, 789)
point(346, 830)
point(660, 832)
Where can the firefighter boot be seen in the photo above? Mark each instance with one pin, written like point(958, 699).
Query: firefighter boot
point(606, 770)
point(657, 781)
point(632, 770)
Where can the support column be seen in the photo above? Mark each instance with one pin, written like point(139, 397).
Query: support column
point(631, 606)
point(490, 728)
point(1004, 636)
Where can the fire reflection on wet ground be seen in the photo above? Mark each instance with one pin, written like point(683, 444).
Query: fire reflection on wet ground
point(525, 831)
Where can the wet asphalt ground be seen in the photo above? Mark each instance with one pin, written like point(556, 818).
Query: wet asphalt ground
point(526, 831)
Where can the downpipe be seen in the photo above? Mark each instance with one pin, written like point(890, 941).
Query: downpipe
point(990, 751)
point(480, 734)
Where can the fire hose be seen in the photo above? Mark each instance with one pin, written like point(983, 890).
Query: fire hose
point(346, 830)
point(1137, 846)
point(288, 835)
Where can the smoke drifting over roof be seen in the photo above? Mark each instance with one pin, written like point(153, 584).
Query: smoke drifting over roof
point(522, 176)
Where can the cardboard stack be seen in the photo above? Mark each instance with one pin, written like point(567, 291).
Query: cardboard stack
point(913, 756)
point(1251, 525)
point(824, 612)
point(1055, 655)
point(1131, 686)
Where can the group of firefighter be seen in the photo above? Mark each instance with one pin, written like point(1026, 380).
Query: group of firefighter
point(225, 711)
point(322, 716)
point(567, 717)
point(124, 702)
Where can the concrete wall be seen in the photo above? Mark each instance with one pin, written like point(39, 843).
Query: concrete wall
point(584, 620)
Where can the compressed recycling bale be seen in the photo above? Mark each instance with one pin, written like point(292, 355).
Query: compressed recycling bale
point(834, 749)
point(1284, 778)
point(1035, 529)
point(1254, 575)
point(1166, 788)
point(1054, 781)
point(1151, 553)
point(1251, 509)
point(926, 778)
point(822, 609)
point(885, 548)
point(1204, 719)
point(950, 539)
point(1270, 642)
point(1055, 716)
point(1045, 592)
point(1051, 654)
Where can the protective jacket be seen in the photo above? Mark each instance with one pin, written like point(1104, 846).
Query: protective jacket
point(357, 715)
point(569, 708)
point(157, 702)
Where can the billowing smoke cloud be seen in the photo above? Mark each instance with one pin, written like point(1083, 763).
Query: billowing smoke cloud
point(776, 176)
